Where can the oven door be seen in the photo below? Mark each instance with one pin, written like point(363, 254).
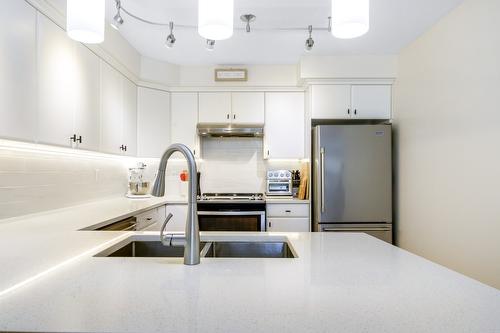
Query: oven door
point(232, 221)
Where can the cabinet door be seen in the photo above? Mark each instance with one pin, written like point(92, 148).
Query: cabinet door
point(111, 109)
point(284, 127)
point(17, 70)
point(153, 122)
point(129, 125)
point(247, 108)
point(215, 108)
point(331, 101)
point(184, 117)
point(56, 84)
point(87, 109)
point(288, 224)
point(371, 101)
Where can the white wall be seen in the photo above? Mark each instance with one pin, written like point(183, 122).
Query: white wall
point(159, 72)
point(447, 119)
point(350, 67)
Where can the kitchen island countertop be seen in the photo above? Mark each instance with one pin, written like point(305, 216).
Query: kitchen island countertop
point(339, 283)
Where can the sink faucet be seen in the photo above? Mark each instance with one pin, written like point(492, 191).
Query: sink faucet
point(192, 232)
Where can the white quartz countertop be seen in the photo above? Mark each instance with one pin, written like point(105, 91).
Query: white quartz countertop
point(35, 243)
point(51, 281)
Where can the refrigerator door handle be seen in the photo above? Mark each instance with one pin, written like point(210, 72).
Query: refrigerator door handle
point(322, 167)
point(356, 229)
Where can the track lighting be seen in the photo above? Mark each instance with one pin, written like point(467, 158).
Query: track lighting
point(117, 19)
point(247, 18)
point(210, 44)
point(170, 38)
point(309, 41)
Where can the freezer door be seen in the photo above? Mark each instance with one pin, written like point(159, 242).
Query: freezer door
point(380, 231)
point(352, 174)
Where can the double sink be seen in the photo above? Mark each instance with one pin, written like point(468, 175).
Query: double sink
point(148, 247)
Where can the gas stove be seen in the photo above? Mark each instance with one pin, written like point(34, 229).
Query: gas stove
point(231, 197)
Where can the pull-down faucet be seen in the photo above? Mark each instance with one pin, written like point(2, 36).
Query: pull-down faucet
point(192, 232)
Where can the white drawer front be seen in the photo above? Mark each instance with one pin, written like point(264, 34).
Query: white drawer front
point(287, 210)
point(147, 218)
point(288, 225)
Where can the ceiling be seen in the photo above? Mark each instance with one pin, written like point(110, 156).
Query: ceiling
point(394, 24)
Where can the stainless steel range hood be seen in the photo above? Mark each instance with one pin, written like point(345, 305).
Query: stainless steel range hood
point(221, 130)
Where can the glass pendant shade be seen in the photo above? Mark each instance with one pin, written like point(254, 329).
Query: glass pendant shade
point(350, 18)
point(85, 20)
point(215, 19)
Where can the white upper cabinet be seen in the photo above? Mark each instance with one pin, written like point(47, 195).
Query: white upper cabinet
point(371, 101)
point(68, 85)
point(331, 101)
point(215, 108)
point(57, 75)
point(87, 103)
point(285, 125)
point(184, 118)
point(153, 122)
point(247, 108)
point(351, 101)
point(111, 109)
point(17, 70)
point(129, 124)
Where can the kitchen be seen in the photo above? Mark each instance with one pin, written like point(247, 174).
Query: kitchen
point(314, 182)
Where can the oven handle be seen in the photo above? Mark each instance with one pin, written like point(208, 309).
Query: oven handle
point(229, 213)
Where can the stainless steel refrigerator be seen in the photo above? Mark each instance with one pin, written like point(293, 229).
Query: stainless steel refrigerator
point(352, 179)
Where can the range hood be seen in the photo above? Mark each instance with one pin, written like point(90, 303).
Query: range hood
point(239, 131)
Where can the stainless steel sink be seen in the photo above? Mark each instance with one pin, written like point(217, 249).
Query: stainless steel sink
point(248, 250)
point(144, 249)
point(133, 247)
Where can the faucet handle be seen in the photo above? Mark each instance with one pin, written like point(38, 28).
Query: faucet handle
point(162, 239)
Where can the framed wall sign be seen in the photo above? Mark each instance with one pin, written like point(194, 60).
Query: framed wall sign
point(231, 74)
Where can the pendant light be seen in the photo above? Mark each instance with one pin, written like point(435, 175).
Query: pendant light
point(350, 18)
point(85, 20)
point(215, 19)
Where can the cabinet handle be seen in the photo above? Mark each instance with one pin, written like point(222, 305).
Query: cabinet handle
point(79, 140)
point(268, 153)
point(269, 224)
point(234, 116)
point(355, 111)
point(288, 211)
point(348, 111)
point(194, 152)
point(73, 138)
point(227, 116)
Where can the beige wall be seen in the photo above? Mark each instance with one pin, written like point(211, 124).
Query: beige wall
point(447, 122)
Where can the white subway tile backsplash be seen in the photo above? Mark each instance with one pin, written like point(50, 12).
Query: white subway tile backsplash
point(32, 181)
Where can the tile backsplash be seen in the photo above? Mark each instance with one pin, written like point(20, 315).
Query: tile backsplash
point(33, 181)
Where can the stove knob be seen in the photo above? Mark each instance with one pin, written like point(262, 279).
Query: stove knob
point(276, 174)
point(288, 174)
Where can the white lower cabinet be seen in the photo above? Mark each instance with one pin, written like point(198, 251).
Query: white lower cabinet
point(288, 224)
point(284, 217)
point(177, 222)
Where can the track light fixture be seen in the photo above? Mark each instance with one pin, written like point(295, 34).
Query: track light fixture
point(309, 41)
point(117, 19)
point(247, 18)
point(170, 38)
point(210, 44)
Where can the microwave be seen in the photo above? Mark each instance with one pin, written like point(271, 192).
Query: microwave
point(279, 183)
